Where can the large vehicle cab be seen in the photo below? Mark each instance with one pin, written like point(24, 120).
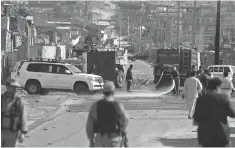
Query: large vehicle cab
point(183, 59)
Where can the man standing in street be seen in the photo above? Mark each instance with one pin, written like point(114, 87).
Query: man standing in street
point(192, 87)
point(92, 70)
point(107, 121)
point(200, 70)
point(227, 85)
point(14, 116)
point(189, 72)
point(211, 114)
point(176, 78)
point(129, 77)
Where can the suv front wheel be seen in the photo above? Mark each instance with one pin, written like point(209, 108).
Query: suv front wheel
point(33, 87)
point(81, 88)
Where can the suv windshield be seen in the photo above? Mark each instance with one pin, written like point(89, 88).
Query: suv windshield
point(74, 69)
point(233, 69)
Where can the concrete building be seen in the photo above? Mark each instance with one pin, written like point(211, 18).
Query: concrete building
point(206, 24)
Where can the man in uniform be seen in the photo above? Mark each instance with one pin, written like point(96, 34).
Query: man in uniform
point(192, 69)
point(200, 70)
point(176, 78)
point(108, 120)
point(13, 115)
point(92, 70)
point(129, 77)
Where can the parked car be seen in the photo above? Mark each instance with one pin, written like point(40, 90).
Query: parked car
point(138, 56)
point(218, 71)
point(36, 75)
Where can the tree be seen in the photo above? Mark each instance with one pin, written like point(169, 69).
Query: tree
point(20, 9)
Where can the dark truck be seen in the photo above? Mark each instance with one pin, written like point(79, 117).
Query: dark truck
point(111, 64)
point(183, 59)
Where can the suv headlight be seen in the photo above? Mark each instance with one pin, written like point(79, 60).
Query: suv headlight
point(92, 78)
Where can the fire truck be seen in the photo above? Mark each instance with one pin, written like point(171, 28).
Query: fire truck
point(182, 58)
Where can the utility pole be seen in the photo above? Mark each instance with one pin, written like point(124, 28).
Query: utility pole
point(171, 31)
point(120, 31)
point(140, 34)
point(166, 33)
point(217, 37)
point(178, 24)
point(128, 28)
point(150, 41)
point(194, 23)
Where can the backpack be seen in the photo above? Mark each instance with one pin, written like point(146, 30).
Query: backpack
point(108, 118)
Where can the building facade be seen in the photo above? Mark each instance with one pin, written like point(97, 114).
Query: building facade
point(206, 24)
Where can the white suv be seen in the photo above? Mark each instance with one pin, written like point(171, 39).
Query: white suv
point(35, 75)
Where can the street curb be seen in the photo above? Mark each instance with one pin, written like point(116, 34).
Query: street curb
point(60, 110)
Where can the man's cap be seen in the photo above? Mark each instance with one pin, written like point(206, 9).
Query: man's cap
point(108, 86)
point(12, 82)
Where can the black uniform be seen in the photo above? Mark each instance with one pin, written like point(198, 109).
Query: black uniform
point(175, 76)
point(129, 78)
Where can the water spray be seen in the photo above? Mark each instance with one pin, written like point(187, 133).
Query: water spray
point(162, 87)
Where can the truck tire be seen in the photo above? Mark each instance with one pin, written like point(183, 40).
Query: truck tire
point(120, 80)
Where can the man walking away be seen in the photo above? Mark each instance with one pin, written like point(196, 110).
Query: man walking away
point(192, 87)
point(13, 116)
point(129, 77)
point(175, 75)
point(107, 121)
point(227, 85)
point(211, 114)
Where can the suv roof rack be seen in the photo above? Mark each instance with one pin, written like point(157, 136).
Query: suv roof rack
point(39, 59)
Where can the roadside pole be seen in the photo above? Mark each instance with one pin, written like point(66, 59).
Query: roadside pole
point(194, 23)
point(217, 37)
point(120, 31)
point(166, 33)
point(178, 26)
point(150, 41)
point(140, 34)
point(128, 29)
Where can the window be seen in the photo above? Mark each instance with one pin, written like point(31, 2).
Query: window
point(226, 69)
point(221, 69)
point(216, 69)
point(74, 69)
point(60, 69)
point(38, 67)
point(233, 69)
point(211, 69)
